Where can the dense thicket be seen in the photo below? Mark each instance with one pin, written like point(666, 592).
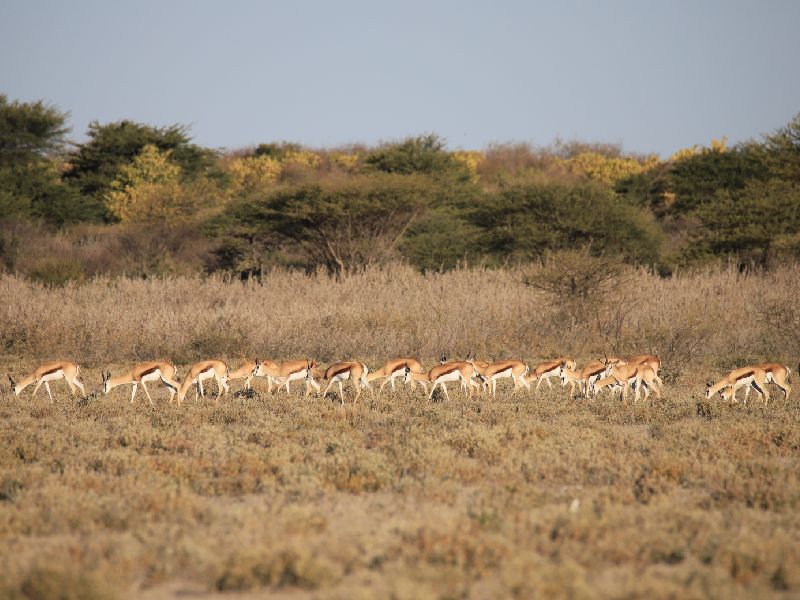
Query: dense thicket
point(145, 200)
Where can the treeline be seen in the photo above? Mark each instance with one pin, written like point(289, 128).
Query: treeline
point(141, 200)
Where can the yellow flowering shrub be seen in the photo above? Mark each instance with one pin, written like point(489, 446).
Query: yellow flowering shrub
point(471, 159)
point(606, 169)
point(253, 172)
point(717, 145)
point(303, 158)
point(345, 161)
point(148, 188)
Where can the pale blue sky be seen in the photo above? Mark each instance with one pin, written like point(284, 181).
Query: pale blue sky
point(654, 76)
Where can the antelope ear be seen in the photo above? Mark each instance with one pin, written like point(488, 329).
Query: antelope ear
point(13, 385)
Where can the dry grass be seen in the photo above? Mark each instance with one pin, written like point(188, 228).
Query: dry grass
point(519, 497)
point(718, 317)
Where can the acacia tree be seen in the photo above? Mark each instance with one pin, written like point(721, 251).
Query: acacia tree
point(344, 225)
point(30, 131)
point(425, 154)
point(755, 223)
point(781, 151)
point(32, 135)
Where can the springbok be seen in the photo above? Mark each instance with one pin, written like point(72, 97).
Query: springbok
point(584, 378)
point(516, 369)
point(200, 371)
point(141, 373)
point(462, 371)
point(396, 368)
point(292, 370)
point(547, 369)
point(776, 373)
point(254, 368)
point(750, 376)
point(639, 375)
point(345, 371)
point(48, 372)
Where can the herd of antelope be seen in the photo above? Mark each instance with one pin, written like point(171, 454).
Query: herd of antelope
point(613, 373)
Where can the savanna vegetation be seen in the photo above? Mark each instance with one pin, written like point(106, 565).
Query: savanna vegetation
point(138, 244)
point(521, 496)
point(140, 200)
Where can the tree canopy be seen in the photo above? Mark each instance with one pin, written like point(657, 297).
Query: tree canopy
point(416, 200)
point(97, 162)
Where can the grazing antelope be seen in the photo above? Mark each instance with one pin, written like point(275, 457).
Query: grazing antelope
point(345, 371)
point(606, 382)
point(154, 370)
point(516, 369)
point(264, 368)
point(205, 369)
point(479, 366)
point(293, 370)
point(247, 371)
point(440, 374)
point(49, 372)
point(254, 368)
point(776, 373)
point(584, 378)
point(396, 368)
point(639, 375)
point(547, 369)
point(651, 360)
point(727, 386)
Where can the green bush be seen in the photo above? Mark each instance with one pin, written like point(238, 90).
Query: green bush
point(526, 220)
point(757, 223)
point(56, 272)
point(424, 154)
